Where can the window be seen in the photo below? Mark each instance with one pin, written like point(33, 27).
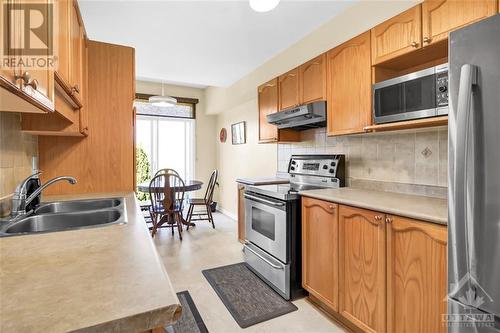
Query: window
point(167, 135)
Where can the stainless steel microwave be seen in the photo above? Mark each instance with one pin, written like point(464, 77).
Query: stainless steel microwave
point(417, 95)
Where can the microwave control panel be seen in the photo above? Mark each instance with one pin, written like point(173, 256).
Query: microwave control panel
point(442, 88)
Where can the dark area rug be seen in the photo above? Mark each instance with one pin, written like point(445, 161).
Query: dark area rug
point(190, 321)
point(249, 299)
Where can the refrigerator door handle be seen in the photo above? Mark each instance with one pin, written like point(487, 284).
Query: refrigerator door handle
point(468, 78)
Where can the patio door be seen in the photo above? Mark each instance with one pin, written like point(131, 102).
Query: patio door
point(168, 143)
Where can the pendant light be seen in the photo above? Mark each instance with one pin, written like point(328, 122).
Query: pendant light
point(262, 6)
point(164, 101)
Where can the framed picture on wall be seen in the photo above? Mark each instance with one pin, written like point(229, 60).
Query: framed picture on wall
point(238, 133)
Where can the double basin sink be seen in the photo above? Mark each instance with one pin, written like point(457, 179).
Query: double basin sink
point(67, 215)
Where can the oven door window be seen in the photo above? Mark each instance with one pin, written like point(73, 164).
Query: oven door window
point(389, 100)
point(419, 94)
point(264, 223)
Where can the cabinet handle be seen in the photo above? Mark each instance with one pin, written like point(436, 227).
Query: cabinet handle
point(332, 207)
point(388, 219)
point(414, 44)
point(75, 89)
point(427, 40)
point(26, 79)
point(378, 218)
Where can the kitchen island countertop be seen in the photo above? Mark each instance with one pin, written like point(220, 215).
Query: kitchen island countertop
point(98, 279)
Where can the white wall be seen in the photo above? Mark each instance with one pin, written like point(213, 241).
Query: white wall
point(205, 125)
point(239, 101)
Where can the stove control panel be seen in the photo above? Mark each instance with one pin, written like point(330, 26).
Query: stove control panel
point(329, 166)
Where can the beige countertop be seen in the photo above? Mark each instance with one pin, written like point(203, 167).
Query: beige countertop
point(412, 206)
point(100, 279)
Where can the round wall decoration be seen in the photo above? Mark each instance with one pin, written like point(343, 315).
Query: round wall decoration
point(223, 135)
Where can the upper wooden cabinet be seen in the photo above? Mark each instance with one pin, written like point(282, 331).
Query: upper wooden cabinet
point(289, 89)
point(398, 35)
point(320, 250)
point(268, 103)
point(76, 36)
point(416, 275)
point(439, 17)
point(362, 268)
point(349, 86)
point(64, 60)
point(312, 80)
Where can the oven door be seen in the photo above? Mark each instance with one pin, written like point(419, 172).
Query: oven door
point(266, 224)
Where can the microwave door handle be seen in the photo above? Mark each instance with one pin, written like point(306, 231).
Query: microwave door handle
point(468, 78)
point(246, 247)
point(264, 201)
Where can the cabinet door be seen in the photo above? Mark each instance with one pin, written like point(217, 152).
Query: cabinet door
point(312, 80)
point(349, 86)
point(289, 89)
point(320, 250)
point(75, 52)
point(416, 275)
point(362, 268)
point(439, 17)
point(64, 59)
point(84, 121)
point(11, 38)
point(241, 213)
point(396, 36)
point(268, 103)
point(38, 81)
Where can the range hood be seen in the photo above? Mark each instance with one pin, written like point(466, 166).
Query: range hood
point(300, 118)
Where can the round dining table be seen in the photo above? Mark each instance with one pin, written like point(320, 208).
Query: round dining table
point(189, 185)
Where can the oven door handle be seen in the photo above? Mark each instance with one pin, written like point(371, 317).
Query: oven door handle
point(246, 247)
point(264, 201)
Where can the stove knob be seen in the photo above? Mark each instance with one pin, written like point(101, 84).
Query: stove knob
point(332, 164)
point(292, 168)
point(294, 162)
point(442, 88)
point(325, 166)
point(332, 170)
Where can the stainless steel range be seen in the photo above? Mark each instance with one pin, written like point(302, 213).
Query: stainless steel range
point(272, 220)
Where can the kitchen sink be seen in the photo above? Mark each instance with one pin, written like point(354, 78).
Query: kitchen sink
point(77, 205)
point(67, 215)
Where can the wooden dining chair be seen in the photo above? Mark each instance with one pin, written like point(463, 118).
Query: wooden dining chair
point(166, 204)
point(206, 201)
point(166, 170)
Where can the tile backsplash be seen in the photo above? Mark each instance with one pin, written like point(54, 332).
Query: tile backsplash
point(411, 161)
point(16, 152)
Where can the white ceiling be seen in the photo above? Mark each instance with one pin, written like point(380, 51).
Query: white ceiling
point(202, 43)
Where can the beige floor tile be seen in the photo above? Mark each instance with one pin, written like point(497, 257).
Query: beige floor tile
point(202, 248)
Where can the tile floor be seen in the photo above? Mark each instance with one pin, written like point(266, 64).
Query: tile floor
point(203, 247)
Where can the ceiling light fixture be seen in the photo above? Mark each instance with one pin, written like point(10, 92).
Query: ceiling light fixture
point(262, 6)
point(165, 101)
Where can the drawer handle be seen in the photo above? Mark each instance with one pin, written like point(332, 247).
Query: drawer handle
point(332, 207)
point(427, 40)
point(414, 44)
point(75, 89)
point(246, 247)
point(388, 220)
point(378, 218)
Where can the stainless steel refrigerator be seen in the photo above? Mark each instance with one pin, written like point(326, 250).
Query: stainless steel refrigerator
point(474, 178)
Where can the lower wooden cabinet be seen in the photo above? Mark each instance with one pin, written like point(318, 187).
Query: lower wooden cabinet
point(241, 213)
point(387, 273)
point(362, 268)
point(320, 250)
point(416, 275)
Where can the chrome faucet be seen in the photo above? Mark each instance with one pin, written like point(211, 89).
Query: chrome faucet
point(19, 201)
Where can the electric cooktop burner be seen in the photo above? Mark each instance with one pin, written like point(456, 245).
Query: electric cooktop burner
point(306, 172)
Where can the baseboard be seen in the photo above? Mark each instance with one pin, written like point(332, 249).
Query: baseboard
point(227, 213)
